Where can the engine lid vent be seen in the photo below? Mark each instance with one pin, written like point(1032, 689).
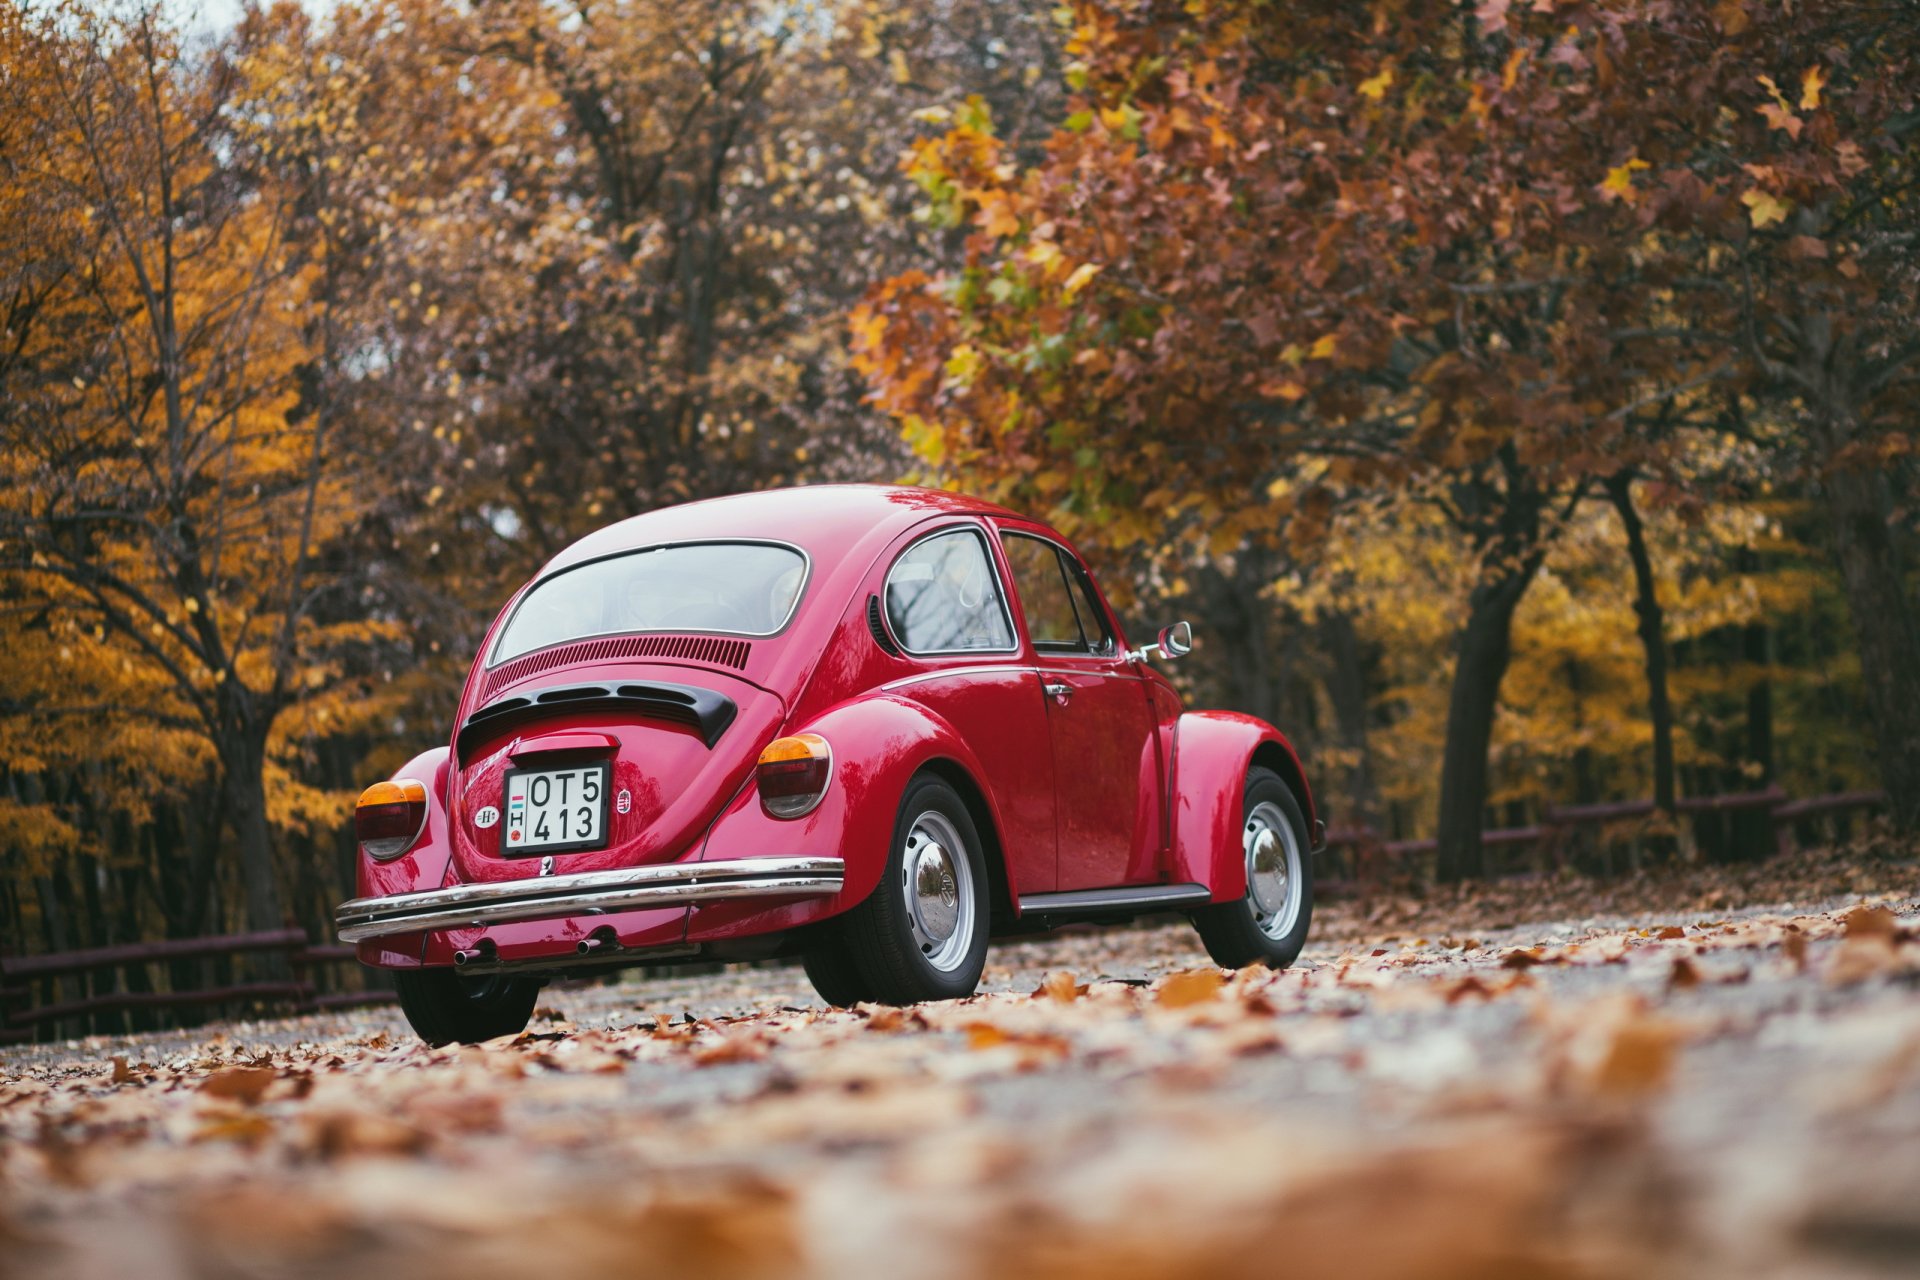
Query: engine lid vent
point(715, 650)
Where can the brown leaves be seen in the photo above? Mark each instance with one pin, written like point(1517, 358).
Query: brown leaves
point(240, 1084)
point(1191, 987)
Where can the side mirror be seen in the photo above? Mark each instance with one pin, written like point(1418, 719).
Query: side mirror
point(1175, 641)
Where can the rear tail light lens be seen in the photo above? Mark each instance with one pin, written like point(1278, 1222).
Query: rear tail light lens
point(793, 774)
point(390, 817)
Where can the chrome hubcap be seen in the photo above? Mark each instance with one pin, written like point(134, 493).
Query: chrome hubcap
point(937, 882)
point(1273, 870)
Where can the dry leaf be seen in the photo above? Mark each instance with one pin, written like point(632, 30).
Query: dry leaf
point(1641, 1058)
point(1193, 986)
point(240, 1084)
point(1060, 986)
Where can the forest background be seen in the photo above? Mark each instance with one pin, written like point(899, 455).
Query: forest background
point(1519, 397)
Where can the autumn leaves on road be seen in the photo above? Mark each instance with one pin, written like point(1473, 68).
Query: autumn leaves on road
point(1554, 1100)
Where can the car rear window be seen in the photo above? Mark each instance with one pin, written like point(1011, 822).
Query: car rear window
point(736, 588)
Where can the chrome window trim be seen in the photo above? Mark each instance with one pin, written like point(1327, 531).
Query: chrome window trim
point(993, 568)
point(806, 580)
point(1114, 647)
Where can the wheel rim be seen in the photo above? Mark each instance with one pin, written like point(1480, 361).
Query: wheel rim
point(937, 883)
point(1273, 870)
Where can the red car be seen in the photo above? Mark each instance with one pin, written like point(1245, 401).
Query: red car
point(867, 725)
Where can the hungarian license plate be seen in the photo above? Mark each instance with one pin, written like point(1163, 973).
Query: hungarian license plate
point(550, 809)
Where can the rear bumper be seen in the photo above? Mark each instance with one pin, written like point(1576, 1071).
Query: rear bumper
point(545, 897)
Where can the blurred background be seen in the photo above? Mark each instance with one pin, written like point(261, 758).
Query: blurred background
point(1519, 401)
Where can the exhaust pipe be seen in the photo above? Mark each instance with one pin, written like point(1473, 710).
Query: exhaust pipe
point(600, 940)
point(485, 951)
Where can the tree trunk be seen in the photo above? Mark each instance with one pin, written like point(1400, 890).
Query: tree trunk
point(1653, 641)
point(1886, 632)
point(243, 757)
point(1485, 646)
point(1347, 691)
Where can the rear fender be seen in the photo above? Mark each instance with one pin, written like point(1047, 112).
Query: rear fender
point(879, 744)
point(1212, 751)
point(424, 866)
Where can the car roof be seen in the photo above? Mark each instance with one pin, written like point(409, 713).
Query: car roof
point(824, 520)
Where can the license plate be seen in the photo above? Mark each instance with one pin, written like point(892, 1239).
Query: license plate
point(549, 809)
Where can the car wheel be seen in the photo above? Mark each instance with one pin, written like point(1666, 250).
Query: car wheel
point(831, 971)
point(445, 1005)
point(1269, 925)
point(922, 933)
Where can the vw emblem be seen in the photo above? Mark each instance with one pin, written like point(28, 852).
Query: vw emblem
point(546, 865)
point(624, 801)
point(486, 817)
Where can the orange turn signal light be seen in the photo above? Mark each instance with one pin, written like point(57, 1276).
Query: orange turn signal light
point(793, 773)
point(390, 817)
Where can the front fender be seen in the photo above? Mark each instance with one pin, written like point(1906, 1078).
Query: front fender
point(1212, 751)
point(878, 744)
point(424, 866)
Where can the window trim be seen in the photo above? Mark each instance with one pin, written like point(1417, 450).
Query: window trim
point(993, 569)
point(494, 659)
point(1069, 565)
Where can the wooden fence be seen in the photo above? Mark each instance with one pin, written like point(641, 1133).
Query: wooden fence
point(1362, 860)
point(114, 989)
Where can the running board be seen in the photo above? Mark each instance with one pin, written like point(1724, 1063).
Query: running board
point(1128, 899)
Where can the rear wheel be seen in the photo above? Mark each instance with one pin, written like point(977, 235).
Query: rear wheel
point(922, 933)
point(830, 970)
point(1269, 924)
point(445, 1005)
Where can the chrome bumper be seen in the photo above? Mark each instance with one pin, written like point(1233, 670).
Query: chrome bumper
point(542, 897)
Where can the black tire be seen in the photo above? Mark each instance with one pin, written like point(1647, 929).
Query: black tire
point(830, 969)
point(1232, 931)
point(886, 961)
point(445, 1005)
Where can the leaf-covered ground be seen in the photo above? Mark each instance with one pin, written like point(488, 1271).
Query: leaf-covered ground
point(1731, 1091)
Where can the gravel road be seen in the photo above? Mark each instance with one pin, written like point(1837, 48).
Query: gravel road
point(1731, 1093)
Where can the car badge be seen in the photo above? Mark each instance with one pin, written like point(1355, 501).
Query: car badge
point(624, 801)
point(486, 817)
point(546, 865)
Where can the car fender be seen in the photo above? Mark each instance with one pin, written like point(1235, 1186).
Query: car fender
point(878, 744)
point(1212, 751)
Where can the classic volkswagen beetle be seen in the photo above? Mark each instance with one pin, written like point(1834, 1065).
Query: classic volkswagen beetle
point(863, 724)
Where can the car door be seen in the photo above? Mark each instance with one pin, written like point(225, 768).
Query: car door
point(946, 607)
point(1099, 717)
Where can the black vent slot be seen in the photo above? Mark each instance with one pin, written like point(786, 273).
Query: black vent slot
point(878, 625)
point(703, 709)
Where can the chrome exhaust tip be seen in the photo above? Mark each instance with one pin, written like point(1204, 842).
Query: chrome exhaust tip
point(473, 955)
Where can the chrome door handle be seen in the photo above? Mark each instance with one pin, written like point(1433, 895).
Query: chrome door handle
point(1060, 691)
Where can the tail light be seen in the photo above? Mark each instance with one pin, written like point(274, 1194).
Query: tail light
point(390, 817)
point(793, 774)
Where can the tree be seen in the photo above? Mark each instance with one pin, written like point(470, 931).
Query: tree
point(168, 508)
point(1294, 252)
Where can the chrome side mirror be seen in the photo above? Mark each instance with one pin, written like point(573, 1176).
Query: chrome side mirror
point(1175, 641)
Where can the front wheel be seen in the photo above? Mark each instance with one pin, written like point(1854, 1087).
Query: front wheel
point(1269, 924)
point(445, 1005)
point(922, 933)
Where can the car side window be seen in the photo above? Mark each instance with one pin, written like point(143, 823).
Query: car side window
point(1040, 576)
point(1093, 619)
point(943, 597)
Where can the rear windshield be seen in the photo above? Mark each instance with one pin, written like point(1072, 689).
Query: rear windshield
point(741, 588)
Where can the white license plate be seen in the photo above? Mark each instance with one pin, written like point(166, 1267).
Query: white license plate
point(549, 809)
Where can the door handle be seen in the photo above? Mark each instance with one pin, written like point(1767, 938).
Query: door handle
point(1054, 690)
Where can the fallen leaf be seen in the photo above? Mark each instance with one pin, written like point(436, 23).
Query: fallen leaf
point(240, 1084)
point(1192, 986)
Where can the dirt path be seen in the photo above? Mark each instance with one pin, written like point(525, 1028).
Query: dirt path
point(1721, 1094)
